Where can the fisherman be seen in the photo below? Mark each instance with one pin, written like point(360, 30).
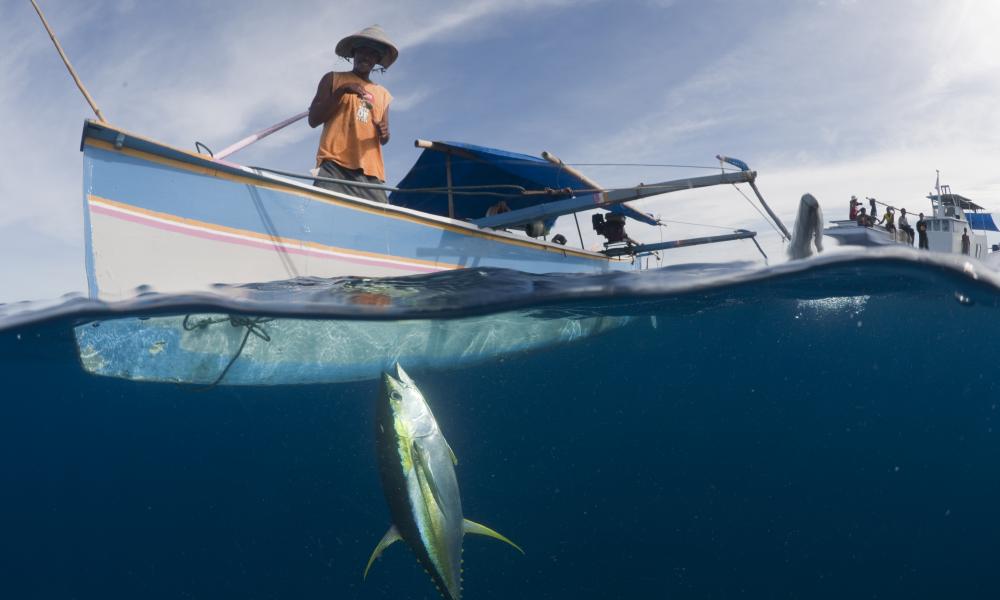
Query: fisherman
point(922, 232)
point(854, 208)
point(904, 226)
point(888, 220)
point(863, 220)
point(873, 213)
point(965, 241)
point(354, 113)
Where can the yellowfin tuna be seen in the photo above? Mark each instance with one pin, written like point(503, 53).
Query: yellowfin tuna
point(417, 468)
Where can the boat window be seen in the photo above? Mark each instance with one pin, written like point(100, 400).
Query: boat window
point(935, 226)
point(944, 226)
point(950, 211)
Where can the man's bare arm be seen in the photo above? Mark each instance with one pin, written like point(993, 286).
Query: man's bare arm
point(382, 128)
point(325, 102)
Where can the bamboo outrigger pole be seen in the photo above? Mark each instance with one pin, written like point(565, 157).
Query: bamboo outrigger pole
point(65, 60)
point(263, 133)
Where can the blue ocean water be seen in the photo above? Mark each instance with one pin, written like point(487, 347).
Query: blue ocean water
point(821, 429)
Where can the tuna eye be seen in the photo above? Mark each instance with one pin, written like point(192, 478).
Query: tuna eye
point(395, 395)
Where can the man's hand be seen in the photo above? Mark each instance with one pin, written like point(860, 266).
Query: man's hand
point(382, 128)
point(351, 88)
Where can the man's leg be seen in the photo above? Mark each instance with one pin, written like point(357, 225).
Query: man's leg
point(334, 171)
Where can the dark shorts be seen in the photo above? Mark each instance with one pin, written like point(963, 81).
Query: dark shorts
point(335, 171)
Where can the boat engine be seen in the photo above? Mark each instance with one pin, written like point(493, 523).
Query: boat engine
point(611, 226)
point(536, 229)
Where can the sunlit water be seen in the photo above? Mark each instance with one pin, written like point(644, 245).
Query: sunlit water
point(825, 429)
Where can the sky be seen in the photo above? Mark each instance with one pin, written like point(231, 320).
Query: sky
point(829, 97)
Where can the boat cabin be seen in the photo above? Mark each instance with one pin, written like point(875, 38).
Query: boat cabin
point(949, 218)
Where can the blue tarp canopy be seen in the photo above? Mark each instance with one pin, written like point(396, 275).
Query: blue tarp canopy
point(982, 221)
point(479, 166)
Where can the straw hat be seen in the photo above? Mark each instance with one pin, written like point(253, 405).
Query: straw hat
point(369, 36)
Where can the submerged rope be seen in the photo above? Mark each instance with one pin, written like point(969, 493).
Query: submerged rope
point(252, 325)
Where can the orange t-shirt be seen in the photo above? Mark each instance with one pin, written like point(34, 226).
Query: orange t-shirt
point(349, 137)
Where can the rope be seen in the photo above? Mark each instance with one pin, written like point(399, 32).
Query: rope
point(390, 188)
point(253, 327)
point(767, 220)
point(642, 165)
point(69, 67)
point(272, 232)
point(698, 224)
point(908, 211)
point(461, 190)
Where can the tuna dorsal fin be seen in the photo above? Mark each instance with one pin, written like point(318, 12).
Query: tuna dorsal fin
point(476, 528)
point(424, 474)
point(403, 375)
point(390, 536)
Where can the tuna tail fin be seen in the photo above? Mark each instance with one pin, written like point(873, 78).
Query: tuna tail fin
point(476, 528)
point(390, 536)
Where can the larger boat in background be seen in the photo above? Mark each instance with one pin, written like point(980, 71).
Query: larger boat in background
point(180, 221)
point(951, 216)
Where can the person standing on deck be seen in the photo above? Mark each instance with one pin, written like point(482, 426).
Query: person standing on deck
point(904, 226)
point(354, 113)
point(965, 241)
point(922, 232)
point(888, 220)
point(853, 215)
point(873, 213)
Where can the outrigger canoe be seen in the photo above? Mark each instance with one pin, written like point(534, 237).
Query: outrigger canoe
point(180, 221)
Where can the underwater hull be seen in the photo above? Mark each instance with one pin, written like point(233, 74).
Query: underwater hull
point(198, 349)
point(181, 222)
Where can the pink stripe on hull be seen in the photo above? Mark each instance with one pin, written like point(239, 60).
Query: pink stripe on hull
point(200, 233)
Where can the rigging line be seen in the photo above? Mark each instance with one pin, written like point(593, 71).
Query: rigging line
point(534, 162)
point(69, 67)
point(889, 205)
point(390, 188)
point(458, 190)
point(642, 165)
point(579, 232)
point(766, 220)
point(272, 232)
point(699, 224)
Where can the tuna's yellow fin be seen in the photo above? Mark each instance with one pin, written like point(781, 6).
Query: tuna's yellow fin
point(390, 536)
point(476, 528)
point(454, 459)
